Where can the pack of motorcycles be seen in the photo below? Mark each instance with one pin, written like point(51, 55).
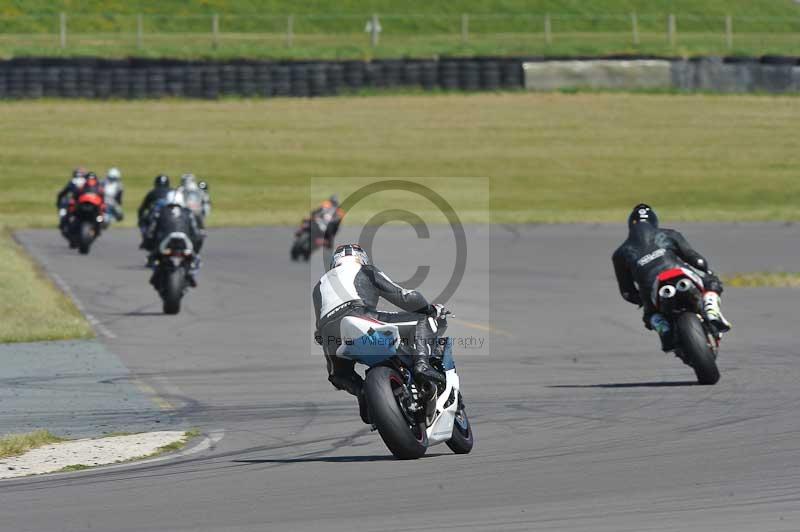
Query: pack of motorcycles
point(409, 416)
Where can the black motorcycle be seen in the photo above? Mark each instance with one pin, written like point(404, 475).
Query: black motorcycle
point(310, 236)
point(679, 297)
point(85, 221)
point(171, 270)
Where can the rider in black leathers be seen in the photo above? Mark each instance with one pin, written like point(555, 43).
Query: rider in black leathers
point(650, 250)
point(174, 217)
point(352, 287)
point(70, 191)
point(159, 192)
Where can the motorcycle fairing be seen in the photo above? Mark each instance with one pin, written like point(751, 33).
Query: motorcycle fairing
point(367, 341)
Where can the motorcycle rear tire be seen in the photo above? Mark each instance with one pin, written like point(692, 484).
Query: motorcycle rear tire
point(85, 237)
point(694, 344)
point(173, 291)
point(404, 442)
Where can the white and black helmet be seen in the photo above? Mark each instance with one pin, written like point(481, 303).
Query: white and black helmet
point(349, 253)
point(114, 174)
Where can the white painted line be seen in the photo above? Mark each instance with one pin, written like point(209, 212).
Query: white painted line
point(99, 328)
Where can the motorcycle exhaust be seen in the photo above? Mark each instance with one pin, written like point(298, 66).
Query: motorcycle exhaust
point(683, 285)
point(667, 291)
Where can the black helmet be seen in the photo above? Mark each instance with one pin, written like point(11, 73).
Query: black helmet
point(642, 213)
point(161, 181)
point(79, 172)
point(202, 185)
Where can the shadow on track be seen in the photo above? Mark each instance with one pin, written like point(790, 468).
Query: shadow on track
point(657, 384)
point(329, 459)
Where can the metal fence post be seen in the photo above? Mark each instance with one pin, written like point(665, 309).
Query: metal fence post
point(672, 30)
point(464, 27)
point(548, 30)
point(374, 30)
point(729, 31)
point(215, 30)
point(62, 26)
point(635, 28)
point(139, 31)
point(289, 31)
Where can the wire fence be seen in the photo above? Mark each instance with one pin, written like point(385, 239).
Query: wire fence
point(119, 33)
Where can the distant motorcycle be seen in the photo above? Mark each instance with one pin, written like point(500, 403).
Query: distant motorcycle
point(410, 418)
point(310, 237)
point(679, 297)
point(86, 217)
point(171, 271)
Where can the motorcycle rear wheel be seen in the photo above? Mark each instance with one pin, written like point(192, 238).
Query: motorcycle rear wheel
point(696, 349)
point(402, 436)
point(173, 291)
point(85, 237)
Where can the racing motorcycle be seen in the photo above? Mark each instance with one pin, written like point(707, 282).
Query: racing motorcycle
point(171, 270)
point(408, 416)
point(86, 217)
point(678, 295)
point(310, 236)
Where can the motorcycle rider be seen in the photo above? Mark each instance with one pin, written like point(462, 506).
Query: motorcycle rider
point(193, 197)
point(113, 192)
point(67, 193)
point(206, 191)
point(148, 207)
point(173, 217)
point(352, 287)
point(650, 250)
point(331, 216)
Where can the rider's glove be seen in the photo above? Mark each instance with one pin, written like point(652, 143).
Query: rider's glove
point(317, 338)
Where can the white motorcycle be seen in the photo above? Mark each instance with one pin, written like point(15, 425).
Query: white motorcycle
point(409, 417)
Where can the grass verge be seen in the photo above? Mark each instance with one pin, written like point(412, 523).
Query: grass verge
point(763, 280)
point(17, 444)
point(549, 157)
point(31, 307)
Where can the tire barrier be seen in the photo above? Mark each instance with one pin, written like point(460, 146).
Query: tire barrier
point(137, 78)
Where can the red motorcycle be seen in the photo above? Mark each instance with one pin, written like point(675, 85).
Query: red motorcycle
point(86, 216)
point(678, 295)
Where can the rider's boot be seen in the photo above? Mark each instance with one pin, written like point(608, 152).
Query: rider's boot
point(424, 342)
point(192, 273)
point(661, 325)
point(423, 370)
point(713, 312)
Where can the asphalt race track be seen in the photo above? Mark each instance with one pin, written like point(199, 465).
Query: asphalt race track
point(580, 422)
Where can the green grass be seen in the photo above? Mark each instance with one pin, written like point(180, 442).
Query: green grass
point(763, 280)
point(74, 467)
point(31, 307)
point(549, 157)
point(178, 445)
point(327, 29)
point(17, 444)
